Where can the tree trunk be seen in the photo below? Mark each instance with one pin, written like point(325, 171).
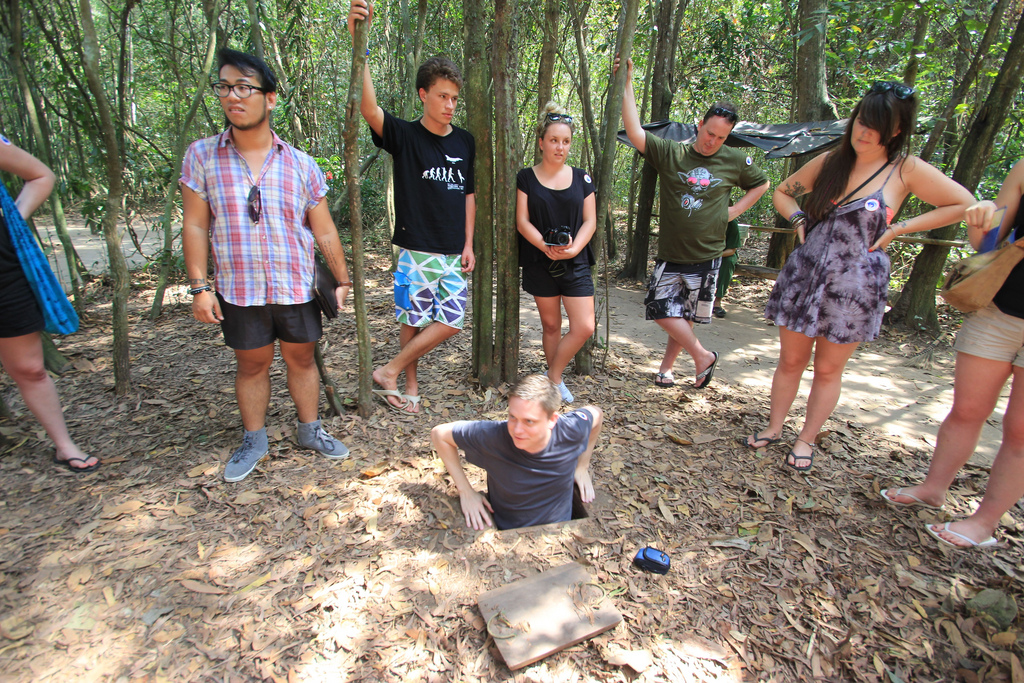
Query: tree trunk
point(507, 143)
point(604, 184)
point(44, 150)
point(255, 32)
point(115, 192)
point(915, 308)
point(355, 206)
point(662, 92)
point(55, 361)
point(812, 104)
point(964, 81)
point(546, 70)
point(478, 122)
point(171, 193)
point(583, 84)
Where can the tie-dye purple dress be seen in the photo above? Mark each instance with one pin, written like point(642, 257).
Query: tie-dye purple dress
point(832, 286)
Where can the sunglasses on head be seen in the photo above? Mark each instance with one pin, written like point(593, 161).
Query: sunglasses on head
point(255, 202)
point(555, 118)
point(901, 91)
point(727, 114)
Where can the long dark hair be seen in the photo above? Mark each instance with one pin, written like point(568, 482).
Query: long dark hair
point(882, 110)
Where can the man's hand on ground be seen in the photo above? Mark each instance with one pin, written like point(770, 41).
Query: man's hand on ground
point(586, 486)
point(475, 506)
point(206, 308)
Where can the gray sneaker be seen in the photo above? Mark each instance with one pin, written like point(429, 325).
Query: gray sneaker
point(244, 459)
point(312, 436)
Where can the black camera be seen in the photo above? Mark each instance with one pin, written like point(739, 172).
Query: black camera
point(558, 237)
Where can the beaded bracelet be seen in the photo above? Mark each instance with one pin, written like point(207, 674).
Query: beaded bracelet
point(199, 290)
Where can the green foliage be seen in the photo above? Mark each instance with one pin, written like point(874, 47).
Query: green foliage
point(740, 49)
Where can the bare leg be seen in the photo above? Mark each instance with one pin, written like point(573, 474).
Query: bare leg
point(550, 310)
point(681, 336)
point(252, 385)
point(303, 379)
point(412, 384)
point(794, 354)
point(419, 344)
point(22, 358)
point(580, 311)
point(1005, 481)
point(976, 386)
point(829, 362)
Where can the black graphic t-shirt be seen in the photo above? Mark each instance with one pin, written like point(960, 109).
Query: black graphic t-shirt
point(554, 208)
point(433, 176)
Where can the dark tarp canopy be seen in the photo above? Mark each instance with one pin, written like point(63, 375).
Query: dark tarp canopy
point(776, 140)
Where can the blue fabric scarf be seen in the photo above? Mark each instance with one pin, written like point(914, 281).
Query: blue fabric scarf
point(58, 312)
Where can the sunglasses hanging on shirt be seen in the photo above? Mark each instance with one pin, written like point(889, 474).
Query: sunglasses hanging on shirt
point(255, 202)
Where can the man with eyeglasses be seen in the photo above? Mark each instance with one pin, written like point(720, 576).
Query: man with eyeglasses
point(435, 210)
point(260, 203)
point(696, 180)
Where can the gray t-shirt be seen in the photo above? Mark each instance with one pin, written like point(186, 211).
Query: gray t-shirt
point(527, 489)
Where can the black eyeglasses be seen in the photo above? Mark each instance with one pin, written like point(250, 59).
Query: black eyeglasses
point(901, 91)
point(555, 118)
point(255, 202)
point(727, 114)
point(242, 90)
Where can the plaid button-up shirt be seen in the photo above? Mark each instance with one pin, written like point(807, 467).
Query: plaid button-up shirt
point(266, 262)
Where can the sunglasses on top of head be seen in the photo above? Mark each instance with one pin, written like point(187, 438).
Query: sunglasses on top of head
point(555, 118)
point(901, 91)
point(727, 114)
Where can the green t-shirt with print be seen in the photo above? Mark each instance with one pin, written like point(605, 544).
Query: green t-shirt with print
point(695, 196)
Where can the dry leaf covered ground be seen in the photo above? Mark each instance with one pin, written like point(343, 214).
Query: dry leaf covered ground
point(154, 569)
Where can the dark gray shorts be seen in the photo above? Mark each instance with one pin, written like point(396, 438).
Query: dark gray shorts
point(253, 327)
point(557, 278)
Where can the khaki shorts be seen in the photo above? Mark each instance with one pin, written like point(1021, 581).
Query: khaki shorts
point(993, 335)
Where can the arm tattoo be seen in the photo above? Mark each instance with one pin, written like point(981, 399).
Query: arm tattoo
point(198, 282)
point(794, 189)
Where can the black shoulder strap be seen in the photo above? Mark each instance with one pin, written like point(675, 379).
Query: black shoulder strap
point(861, 186)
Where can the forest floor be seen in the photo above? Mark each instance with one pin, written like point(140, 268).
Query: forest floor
point(155, 569)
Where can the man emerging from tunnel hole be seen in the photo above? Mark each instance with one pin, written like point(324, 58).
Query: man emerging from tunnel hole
point(532, 460)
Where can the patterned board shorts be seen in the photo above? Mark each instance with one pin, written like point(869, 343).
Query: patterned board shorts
point(429, 288)
point(687, 293)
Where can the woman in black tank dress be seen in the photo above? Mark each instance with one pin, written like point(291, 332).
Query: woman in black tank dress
point(990, 350)
point(556, 215)
point(831, 294)
point(21, 321)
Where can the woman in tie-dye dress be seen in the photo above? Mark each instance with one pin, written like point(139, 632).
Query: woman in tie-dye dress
point(831, 294)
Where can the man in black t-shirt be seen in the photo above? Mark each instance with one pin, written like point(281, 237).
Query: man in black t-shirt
point(435, 212)
point(532, 460)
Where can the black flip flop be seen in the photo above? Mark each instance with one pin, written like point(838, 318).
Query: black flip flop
point(792, 454)
point(77, 470)
point(707, 374)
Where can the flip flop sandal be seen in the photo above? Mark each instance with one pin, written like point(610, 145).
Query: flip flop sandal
point(664, 379)
point(707, 374)
point(745, 440)
point(410, 400)
point(917, 502)
point(796, 457)
point(384, 393)
point(77, 470)
point(972, 544)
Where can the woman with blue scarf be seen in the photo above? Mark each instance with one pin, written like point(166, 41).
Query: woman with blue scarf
point(21, 319)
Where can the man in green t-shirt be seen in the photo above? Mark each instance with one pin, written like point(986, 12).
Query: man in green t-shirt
point(696, 180)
